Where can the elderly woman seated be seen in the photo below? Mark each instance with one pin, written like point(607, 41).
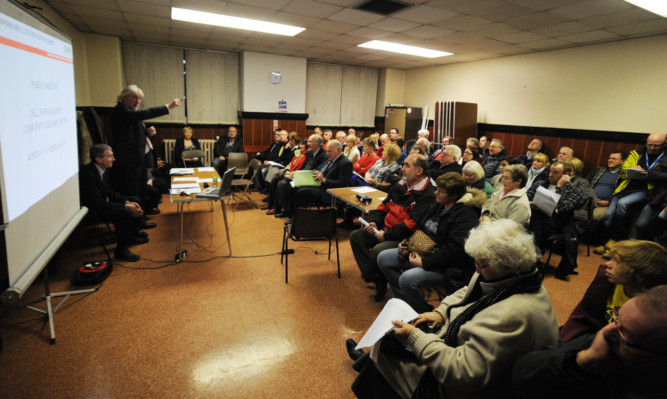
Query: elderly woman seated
point(386, 171)
point(473, 172)
point(511, 202)
point(634, 267)
point(503, 313)
point(447, 222)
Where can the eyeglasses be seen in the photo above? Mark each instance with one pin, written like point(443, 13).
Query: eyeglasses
point(617, 321)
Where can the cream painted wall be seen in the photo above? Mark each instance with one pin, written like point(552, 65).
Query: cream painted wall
point(258, 94)
point(105, 69)
point(616, 86)
point(390, 89)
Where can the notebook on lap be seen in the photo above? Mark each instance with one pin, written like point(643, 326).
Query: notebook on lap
point(304, 178)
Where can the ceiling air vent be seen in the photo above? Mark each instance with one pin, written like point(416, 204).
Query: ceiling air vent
point(382, 7)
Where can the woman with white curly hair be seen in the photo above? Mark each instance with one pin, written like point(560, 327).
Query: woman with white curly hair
point(466, 347)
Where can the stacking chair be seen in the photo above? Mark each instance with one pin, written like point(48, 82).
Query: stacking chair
point(241, 187)
point(310, 225)
point(238, 160)
point(189, 154)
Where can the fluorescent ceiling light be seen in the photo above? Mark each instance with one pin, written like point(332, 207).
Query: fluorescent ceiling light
point(655, 6)
point(182, 14)
point(404, 49)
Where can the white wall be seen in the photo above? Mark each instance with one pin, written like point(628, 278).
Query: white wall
point(258, 94)
point(618, 86)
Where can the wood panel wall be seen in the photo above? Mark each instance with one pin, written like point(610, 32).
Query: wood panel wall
point(592, 147)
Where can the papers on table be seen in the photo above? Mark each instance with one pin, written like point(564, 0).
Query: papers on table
point(190, 179)
point(395, 309)
point(181, 171)
point(546, 200)
point(363, 190)
point(187, 191)
point(193, 184)
point(365, 223)
point(206, 169)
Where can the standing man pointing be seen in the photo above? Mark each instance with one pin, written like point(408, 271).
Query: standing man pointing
point(131, 139)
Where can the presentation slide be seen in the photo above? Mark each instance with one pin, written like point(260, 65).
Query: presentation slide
point(38, 116)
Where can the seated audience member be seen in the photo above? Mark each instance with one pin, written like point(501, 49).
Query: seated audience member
point(484, 147)
point(657, 229)
point(107, 205)
point(297, 162)
point(534, 148)
point(468, 155)
point(539, 172)
point(384, 140)
point(385, 172)
point(604, 181)
point(423, 133)
point(581, 212)
point(473, 173)
point(279, 152)
point(561, 221)
point(393, 134)
point(633, 267)
point(434, 158)
point(406, 202)
point(315, 158)
point(400, 143)
point(624, 359)
point(492, 160)
point(223, 147)
point(327, 134)
point(417, 150)
point(335, 173)
point(340, 137)
point(478, 332)
point(447, 222)
point(424, 144)
point(495, 181)
point(511, 201)
point(564, 154)
point(367, 159)
point(420, 133)
point(351, 151)
point(448, 162)
point(186, 143)
point(644, 193)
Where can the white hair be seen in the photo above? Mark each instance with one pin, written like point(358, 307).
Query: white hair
point(423, 133)
point(454, 151)
point(506, 245)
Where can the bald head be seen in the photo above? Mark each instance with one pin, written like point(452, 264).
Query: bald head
point(655, 143)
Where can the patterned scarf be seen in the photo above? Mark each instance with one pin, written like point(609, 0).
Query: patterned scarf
point(428, 385)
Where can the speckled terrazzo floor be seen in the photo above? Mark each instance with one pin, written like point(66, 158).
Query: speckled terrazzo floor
point(210, 327)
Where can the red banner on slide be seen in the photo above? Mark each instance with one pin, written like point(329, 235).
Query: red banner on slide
point(34, 50)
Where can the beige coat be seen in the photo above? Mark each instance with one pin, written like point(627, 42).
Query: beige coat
point(514, 206)
point(489, 343)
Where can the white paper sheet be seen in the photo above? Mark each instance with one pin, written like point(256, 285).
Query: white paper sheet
point(181, 171)
point(363, 190)
point(188, 191)
point(365, 223)
point(203, 180)
point(190, 179)
point(206, 169)
point(546, 200)
point(186, 185)
point(395, 309)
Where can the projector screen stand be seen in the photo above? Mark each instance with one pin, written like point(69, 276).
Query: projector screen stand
point(50, 311)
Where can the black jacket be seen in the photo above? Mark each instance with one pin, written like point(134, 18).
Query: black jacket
point(220, 148)
point(94, 192)
point(129, 134)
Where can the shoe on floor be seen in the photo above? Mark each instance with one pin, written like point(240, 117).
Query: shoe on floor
point(600, 250)
point(125, 255)
point(139, 241)
point(153, 212)
point(146, 226)
point(264, 207)
point(142, 234)
point(271, 212)
point(380, 287)
point(354, 354)
point(265, 199)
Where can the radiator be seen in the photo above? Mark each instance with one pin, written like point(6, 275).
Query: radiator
point(206, 146)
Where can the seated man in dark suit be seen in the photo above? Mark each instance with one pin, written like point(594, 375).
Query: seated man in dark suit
point(561, 221)
point(332, 174)
point(107, 205)
point(448, 162)
point(223, 147)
